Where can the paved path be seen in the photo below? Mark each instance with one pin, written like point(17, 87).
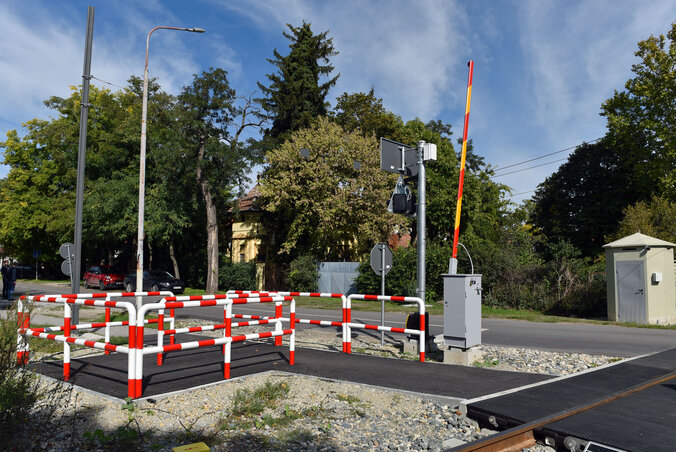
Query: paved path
point(191, 368)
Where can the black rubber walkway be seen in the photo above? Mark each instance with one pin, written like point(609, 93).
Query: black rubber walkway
point(191, 368)
point(643, 421)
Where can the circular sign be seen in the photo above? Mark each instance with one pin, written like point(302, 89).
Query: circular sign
point(67, 250)
point(66, 267)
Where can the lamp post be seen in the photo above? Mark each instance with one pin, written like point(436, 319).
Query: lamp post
point(142, 170)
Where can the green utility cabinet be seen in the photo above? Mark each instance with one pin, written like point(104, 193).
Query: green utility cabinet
point(640, 280)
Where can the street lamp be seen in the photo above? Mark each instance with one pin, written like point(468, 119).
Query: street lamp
point(142, 170)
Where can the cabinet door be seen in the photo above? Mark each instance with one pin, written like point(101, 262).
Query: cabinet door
point(631, 305)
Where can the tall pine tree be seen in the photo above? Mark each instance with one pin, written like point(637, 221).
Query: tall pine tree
point(295, 97)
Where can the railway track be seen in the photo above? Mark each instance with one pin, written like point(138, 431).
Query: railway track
point(522, 436)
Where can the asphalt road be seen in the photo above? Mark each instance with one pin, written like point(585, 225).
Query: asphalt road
point(561, 337)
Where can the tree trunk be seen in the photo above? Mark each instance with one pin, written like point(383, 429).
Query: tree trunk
point(150, 255)
point(212, 224)
point(172, 256)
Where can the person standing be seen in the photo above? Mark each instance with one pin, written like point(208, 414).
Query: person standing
point(11, 280)
point(5, 270)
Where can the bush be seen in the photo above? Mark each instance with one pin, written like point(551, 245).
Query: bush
point(402, 278)
point(303, 275)
point(237, 276)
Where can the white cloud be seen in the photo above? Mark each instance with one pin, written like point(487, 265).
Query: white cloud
point(410, 51)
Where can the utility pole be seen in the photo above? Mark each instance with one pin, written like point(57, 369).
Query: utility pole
point(81, 152)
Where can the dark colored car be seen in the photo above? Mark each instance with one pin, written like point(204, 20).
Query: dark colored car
point(155, 281)
point(103, 276)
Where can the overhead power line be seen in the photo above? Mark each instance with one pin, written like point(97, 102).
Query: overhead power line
point(109, 83)
point(528, 168)
point(543, 156)
point(521, 193)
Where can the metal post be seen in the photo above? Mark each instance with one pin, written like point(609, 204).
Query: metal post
point(382, 292)
point(421, 222)
point(81, 152)
point(142, 165)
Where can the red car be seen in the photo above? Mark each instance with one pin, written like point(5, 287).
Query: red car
point(103, 276)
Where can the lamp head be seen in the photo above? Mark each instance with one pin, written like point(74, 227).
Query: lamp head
point(196, 30)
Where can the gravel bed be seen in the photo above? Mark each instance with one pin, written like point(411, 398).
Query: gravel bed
point(315, 415)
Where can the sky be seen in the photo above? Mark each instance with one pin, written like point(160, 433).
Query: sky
point(542, 68)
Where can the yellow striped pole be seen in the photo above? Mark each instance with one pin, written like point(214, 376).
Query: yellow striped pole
point(456, 233)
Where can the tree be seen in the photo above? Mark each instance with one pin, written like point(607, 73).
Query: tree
point(38, 197)
point(323, 206)
point(643, 117)
point(654, 218)
point(365, 112)
point(582, 202)
point(208, 109)
point(295, 96)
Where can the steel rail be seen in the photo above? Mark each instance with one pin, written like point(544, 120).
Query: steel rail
point(521, 436)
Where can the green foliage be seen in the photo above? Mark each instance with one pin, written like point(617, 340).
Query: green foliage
point(322, 205)
point(365, 112)
point(654, 218)
point(583, 202)
point(303, 275)
point(295, 97)
point(237, 276)
point(250, 403)
point(522, 271)
point(19, 390)
point(401, 280)
point(642, 116)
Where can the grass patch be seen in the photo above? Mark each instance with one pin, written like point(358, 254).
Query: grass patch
point(367, 306)
point(123, 317)
point(255, 408)
point(348, 398)
point(487, 362)
point(45, 281)
point(249, 403)
point(537, 316)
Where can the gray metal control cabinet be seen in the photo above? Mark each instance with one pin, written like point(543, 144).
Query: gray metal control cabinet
point(462, 310)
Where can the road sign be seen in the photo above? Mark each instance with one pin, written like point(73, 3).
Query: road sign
point(66, 267)
point(377, 258)
point(398, 158)
point(67, 250)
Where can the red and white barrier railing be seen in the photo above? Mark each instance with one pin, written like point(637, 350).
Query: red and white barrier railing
point(421, 332)
point(278, 308)
point(46, 333)
point(135, 348)
point(107, 324)
point(227, 339)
